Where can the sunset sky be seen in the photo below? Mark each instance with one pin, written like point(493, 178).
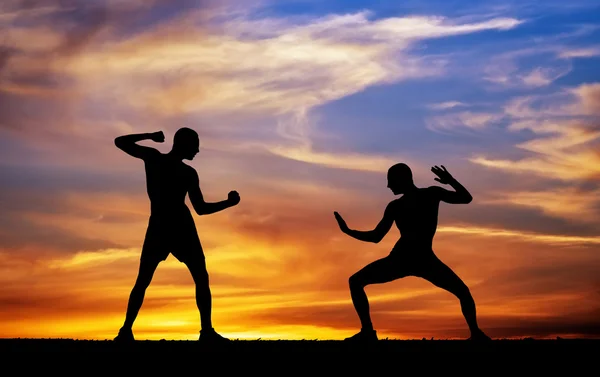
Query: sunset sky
point(301, 106)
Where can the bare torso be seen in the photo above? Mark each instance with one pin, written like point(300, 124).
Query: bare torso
point(171, 228)
point(416, 217)
point(167, 183)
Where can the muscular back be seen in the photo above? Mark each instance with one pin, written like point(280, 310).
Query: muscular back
point(416, 216)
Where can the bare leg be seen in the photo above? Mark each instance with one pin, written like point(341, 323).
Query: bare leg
point(381, 271)
point(136, 298)
point(197, 267)
point(442, 276)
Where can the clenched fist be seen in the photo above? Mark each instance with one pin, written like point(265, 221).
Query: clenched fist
point(233, 197)
point(158, 137)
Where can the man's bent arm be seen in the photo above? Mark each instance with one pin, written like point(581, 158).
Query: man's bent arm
point(460, 196)
point(464, 194)
point(127, 143)
point(210, 208)
point(202, 207)
point(363, 235)
point(377, 234)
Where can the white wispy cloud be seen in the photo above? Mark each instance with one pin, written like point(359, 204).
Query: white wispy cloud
point(466, 120)
point(506, 72)
point(273, 66)
point(542, 76)
point(589, 52)
point(564, 145)
point(511, 70)
point(446, 105)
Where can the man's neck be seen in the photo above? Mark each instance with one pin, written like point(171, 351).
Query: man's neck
point(411, 190)
point(174, 155)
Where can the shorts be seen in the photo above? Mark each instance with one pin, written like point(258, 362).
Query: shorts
point(168, 235)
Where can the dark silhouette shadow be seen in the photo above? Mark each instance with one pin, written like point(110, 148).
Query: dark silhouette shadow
point(171, 228)
point(416, 216)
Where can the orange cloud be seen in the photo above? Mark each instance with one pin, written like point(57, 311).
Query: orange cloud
point(292, 284)
point(569, 203)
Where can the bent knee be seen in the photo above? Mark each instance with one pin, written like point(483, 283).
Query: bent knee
point(356, 281)
point(200, 276)
point(462, 291)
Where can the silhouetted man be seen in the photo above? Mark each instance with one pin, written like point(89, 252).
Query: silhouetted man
point(416, 215)
point(171, 227)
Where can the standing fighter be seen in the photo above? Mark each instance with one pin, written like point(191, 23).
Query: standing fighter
point(171, 227)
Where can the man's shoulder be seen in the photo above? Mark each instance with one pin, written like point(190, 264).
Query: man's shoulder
point(190, 170)
point(393, 204)
point(152, 154)
point(434, 189)
point(435, 192)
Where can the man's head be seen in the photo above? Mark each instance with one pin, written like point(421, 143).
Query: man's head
point(186, 143)
point(399, 178)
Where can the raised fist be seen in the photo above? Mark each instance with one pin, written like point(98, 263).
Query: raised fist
point(158, 137)
point(233, 197)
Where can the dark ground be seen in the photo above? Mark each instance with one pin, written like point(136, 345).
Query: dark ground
point(506, 347)
point(400, 357)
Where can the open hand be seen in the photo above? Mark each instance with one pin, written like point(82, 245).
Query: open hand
point(341, 222)
point(443, 176)
point(158, 137)
point(233, 197)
